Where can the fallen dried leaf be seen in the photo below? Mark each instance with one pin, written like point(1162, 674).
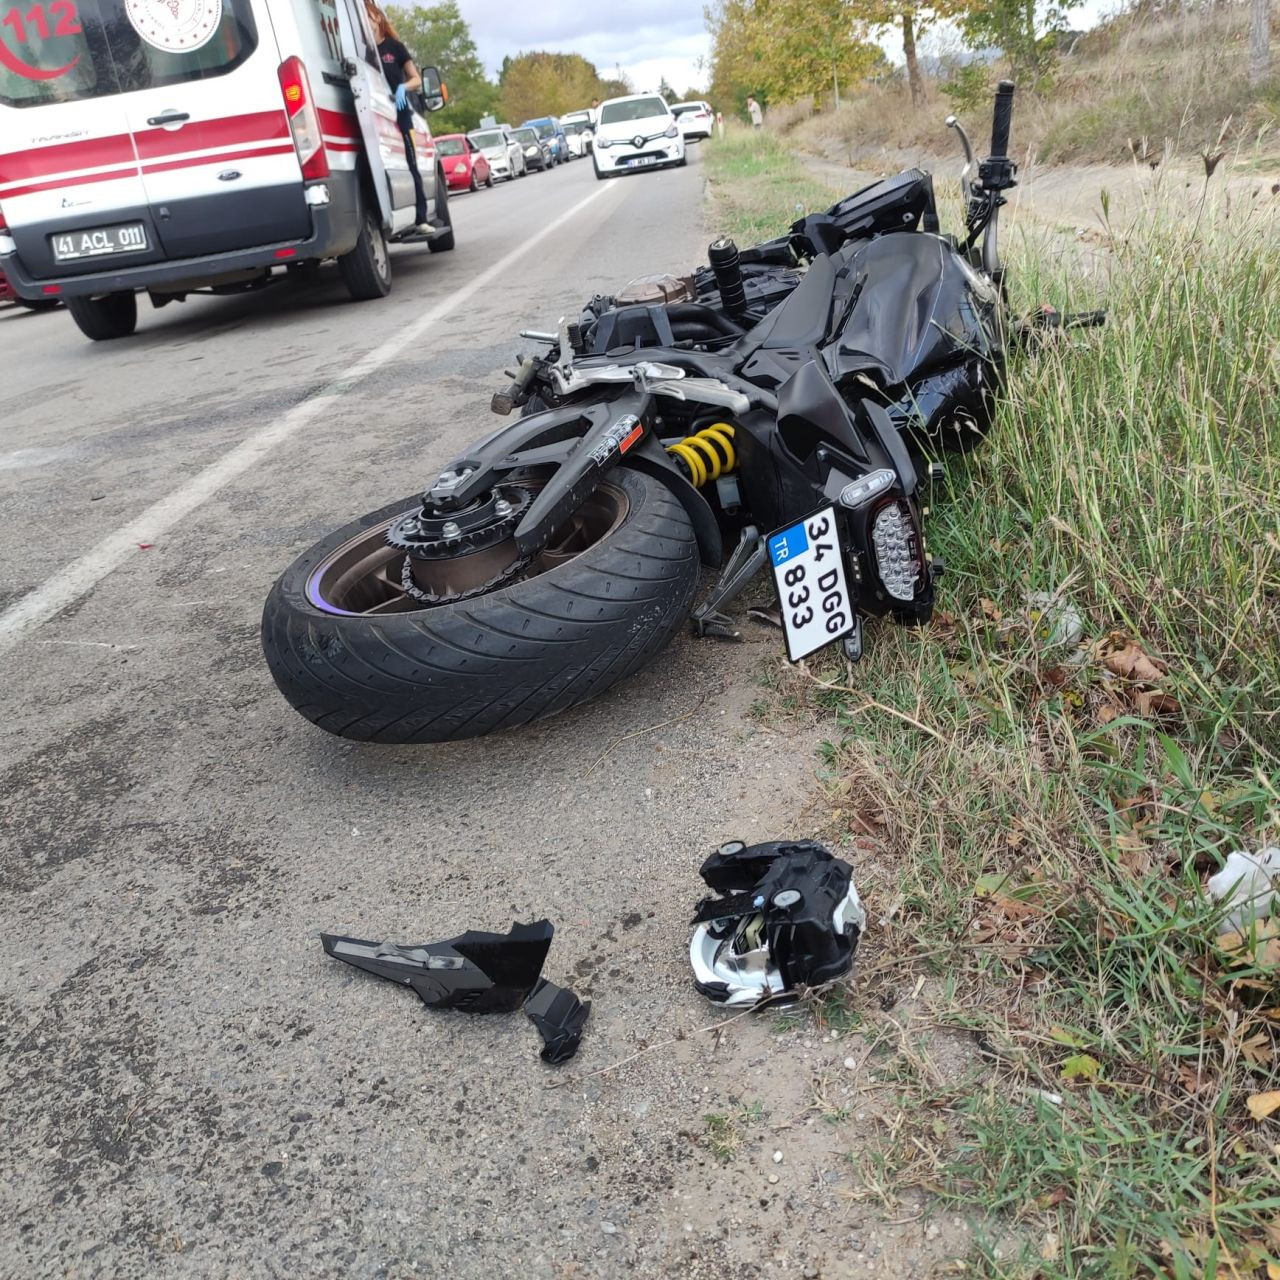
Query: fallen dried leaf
point(1151, 702)
point(1257, 1049)
point(1261, 1105)
point(1192, 1080)
point(1081, 1066)
point(990, 609)
point(1125, 657)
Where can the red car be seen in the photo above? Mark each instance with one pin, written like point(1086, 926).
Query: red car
point(465, 168)
point(7, 295)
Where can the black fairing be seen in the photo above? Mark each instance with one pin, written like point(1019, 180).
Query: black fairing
point(918, 307)
point(901, 203)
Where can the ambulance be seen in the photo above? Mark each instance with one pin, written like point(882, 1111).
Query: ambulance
point(176, 146)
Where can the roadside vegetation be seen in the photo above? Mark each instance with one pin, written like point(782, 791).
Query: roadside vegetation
point(1152, 80)
point(1139, 86)
point(1052, 768)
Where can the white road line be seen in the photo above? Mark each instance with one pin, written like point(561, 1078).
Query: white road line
point(69, 584)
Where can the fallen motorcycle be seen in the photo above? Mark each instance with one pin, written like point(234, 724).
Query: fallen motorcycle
point(783, 395)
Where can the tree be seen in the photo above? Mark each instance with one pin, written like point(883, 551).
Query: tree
point(439, 36)
point(733, 66)
point(1259, 42)
point(911, 19)
point(783, 50)
point(1025, 33)
point(548, 84)
point(812, 46)
point(666, 91)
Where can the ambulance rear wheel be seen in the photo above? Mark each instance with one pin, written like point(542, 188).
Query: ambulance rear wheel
point(114, 315)
point(366, 270)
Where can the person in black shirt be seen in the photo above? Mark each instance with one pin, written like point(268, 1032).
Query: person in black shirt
point(402, 79)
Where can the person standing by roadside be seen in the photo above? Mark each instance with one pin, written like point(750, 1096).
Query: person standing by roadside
point(753, 110)
point(402, 79)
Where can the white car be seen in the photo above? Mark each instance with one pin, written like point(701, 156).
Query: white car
point(694, 118)
point(636, 132)
point(504, 154)
point(579, 130)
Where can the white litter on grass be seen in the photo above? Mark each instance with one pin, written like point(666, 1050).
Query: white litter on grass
point(1057, 621)
point(1247, 885)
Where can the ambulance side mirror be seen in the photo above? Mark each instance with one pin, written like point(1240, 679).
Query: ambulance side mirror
point(434, 91)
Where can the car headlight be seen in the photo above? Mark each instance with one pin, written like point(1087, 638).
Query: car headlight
point(460, 167)
point(604, 142)
point(672, 131)
point(531, 151)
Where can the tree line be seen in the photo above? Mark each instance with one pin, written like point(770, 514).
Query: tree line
point(783, 50)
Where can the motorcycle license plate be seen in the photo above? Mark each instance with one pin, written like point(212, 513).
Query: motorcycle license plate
point(131, 237)
point(813, 592)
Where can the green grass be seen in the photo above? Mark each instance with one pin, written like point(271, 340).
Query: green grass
point(1049, 823)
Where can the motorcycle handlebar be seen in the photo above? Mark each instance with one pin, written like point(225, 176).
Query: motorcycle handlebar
point(1002, 119)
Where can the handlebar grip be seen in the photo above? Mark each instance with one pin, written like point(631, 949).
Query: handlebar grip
point(1002, 120)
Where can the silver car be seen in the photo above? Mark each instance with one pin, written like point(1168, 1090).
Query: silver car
point(503, 152)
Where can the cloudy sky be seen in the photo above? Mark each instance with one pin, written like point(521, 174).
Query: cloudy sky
point(648, 39)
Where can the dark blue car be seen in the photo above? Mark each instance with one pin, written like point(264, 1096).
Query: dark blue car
point(549, 131)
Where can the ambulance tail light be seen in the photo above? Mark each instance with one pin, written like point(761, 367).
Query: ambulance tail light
point(304, 119)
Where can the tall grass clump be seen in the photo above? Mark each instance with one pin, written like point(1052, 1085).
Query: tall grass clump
point(1142, 464)
point(1053, 767)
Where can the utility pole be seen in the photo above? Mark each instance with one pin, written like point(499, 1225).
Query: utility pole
point(835, 82)
point(1259, 41)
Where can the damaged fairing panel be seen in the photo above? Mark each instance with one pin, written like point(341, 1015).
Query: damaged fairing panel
point(479, 972)
point(787, 917)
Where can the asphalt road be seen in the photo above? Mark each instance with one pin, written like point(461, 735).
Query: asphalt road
point(190, 1087)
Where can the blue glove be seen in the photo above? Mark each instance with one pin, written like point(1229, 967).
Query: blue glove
point(402, 98)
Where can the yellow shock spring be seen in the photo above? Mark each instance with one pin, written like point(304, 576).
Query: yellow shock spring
point(708, 454)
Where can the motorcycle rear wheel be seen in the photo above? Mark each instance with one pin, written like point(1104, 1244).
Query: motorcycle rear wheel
point(412, 673)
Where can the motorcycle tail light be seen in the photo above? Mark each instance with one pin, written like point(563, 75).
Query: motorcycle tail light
point(897, 549)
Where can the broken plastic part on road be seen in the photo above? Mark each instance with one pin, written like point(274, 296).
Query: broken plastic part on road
point(559, 1016)
point(788, 917)
point(479, 972)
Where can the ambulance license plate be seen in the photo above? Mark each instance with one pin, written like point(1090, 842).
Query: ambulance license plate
point(128, 237)
point(813, 593)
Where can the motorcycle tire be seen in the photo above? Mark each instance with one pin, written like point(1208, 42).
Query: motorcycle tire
point(494, 661)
